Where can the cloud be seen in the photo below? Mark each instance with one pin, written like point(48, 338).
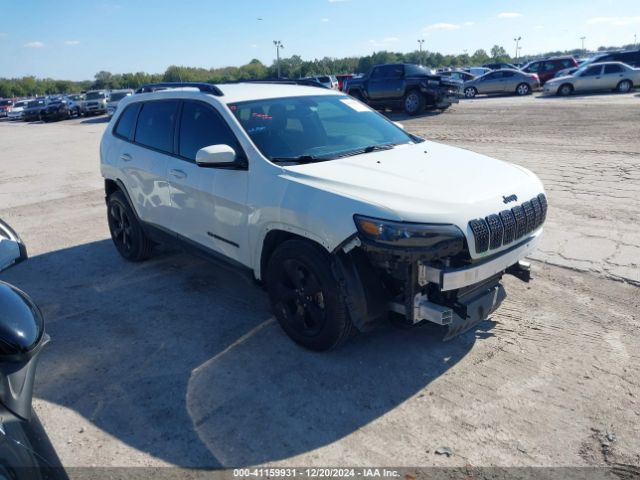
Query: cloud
point(385, 42)
point(509, 15)
point(72, 42)
point(34, 45)
point(468, 24)
point(324, 20)
point(614, 21)
point(441, 26)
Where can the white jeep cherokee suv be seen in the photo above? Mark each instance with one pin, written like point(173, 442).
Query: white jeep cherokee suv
point(343, 215)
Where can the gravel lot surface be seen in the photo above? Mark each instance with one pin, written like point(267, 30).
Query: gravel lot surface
point(176, 361)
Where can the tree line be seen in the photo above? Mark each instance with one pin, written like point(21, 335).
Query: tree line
point(291, 67)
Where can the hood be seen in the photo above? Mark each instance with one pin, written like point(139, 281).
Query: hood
point(426, 182)
point(564, 78)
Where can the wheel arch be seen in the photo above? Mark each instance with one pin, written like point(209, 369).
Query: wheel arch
point(111, 186)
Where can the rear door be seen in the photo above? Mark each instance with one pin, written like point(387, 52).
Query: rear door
point(612, 75)
point(142, 157)
point(209, 204)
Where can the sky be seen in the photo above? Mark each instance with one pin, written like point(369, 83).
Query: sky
point(74, 39)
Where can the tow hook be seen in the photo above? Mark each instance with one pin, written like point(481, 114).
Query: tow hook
point(520, 270)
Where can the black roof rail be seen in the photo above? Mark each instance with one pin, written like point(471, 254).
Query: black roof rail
point(203, 87)
point(287, 81)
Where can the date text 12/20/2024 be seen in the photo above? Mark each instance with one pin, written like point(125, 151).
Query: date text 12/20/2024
point(316, 473)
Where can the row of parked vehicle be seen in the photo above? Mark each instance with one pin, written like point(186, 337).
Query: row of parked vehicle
point(61, 107)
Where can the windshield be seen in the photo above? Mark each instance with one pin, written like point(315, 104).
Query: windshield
point(95, 95)
point(315, 128)
point(20, 104)
point(4, 103)
point(116, 97)
point(36, 103)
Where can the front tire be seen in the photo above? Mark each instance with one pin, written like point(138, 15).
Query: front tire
point(523, 89)
point(470, 92)
point(565, 90)
point(305, 296)
point(413, 102)
point(126, 232)
point(624, 86)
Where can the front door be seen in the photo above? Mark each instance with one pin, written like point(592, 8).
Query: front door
point(590, 79)
point(209, 204)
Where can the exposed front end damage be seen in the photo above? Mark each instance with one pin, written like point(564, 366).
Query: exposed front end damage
point(441, 285)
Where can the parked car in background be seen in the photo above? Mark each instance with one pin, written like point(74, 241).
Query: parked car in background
point(412, 87)
point(342, 79)
point(547, 69)
point(328, 81)
point(95, 102)
point(57, 109)
point(460, 75)
point(502, 81)
point(596, 77)
point(628, 57)
point(5, 107)
point(33, 111)
point(114, 98)
point(500, 66)
point(17, 111)
point(75, 101)
point(25, 450)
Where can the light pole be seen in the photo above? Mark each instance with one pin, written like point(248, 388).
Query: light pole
point(278, 45)
point(517, 40)
point(420, 42)
point(583, 39)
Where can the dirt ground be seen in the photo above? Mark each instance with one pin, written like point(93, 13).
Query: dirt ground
point(178, 362)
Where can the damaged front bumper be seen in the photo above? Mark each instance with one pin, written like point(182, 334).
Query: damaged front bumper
point(422, 289)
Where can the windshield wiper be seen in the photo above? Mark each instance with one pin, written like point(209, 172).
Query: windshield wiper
point(298, 159)
point(369, 149)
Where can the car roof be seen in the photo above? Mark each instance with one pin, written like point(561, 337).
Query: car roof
point(239, 92)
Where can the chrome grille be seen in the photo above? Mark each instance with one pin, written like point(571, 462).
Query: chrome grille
point(496, 230)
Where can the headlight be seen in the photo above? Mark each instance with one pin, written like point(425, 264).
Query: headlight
point(412, 235)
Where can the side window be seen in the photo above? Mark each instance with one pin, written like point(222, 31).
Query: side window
point(155, 125)
point(567, 63)
point(534, 67)
point(549, 66)
point(612, 69)
point(377, 73)
point(508, 73)
point(395, 72)
point(592, 71)
point(201, 126)
point(126, 122)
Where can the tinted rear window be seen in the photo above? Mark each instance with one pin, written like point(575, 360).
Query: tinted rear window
point(127, 120)
point(155, 125)
point(612, 68)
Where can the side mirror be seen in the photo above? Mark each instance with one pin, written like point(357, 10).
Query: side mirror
point(399, 125)
point(216, 156)
point(12, 250)
point(22, 338)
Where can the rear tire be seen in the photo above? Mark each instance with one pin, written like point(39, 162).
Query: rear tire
point(565, 90)
point(523, 89)
point(126, 232)
point(470, 92)
point(305, 296)
point(624, 86)
point(413, 102)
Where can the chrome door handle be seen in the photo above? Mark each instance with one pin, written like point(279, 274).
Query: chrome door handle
point(177, 173)
point(125, 157)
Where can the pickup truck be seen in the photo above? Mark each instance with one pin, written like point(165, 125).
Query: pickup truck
point(405, 85)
